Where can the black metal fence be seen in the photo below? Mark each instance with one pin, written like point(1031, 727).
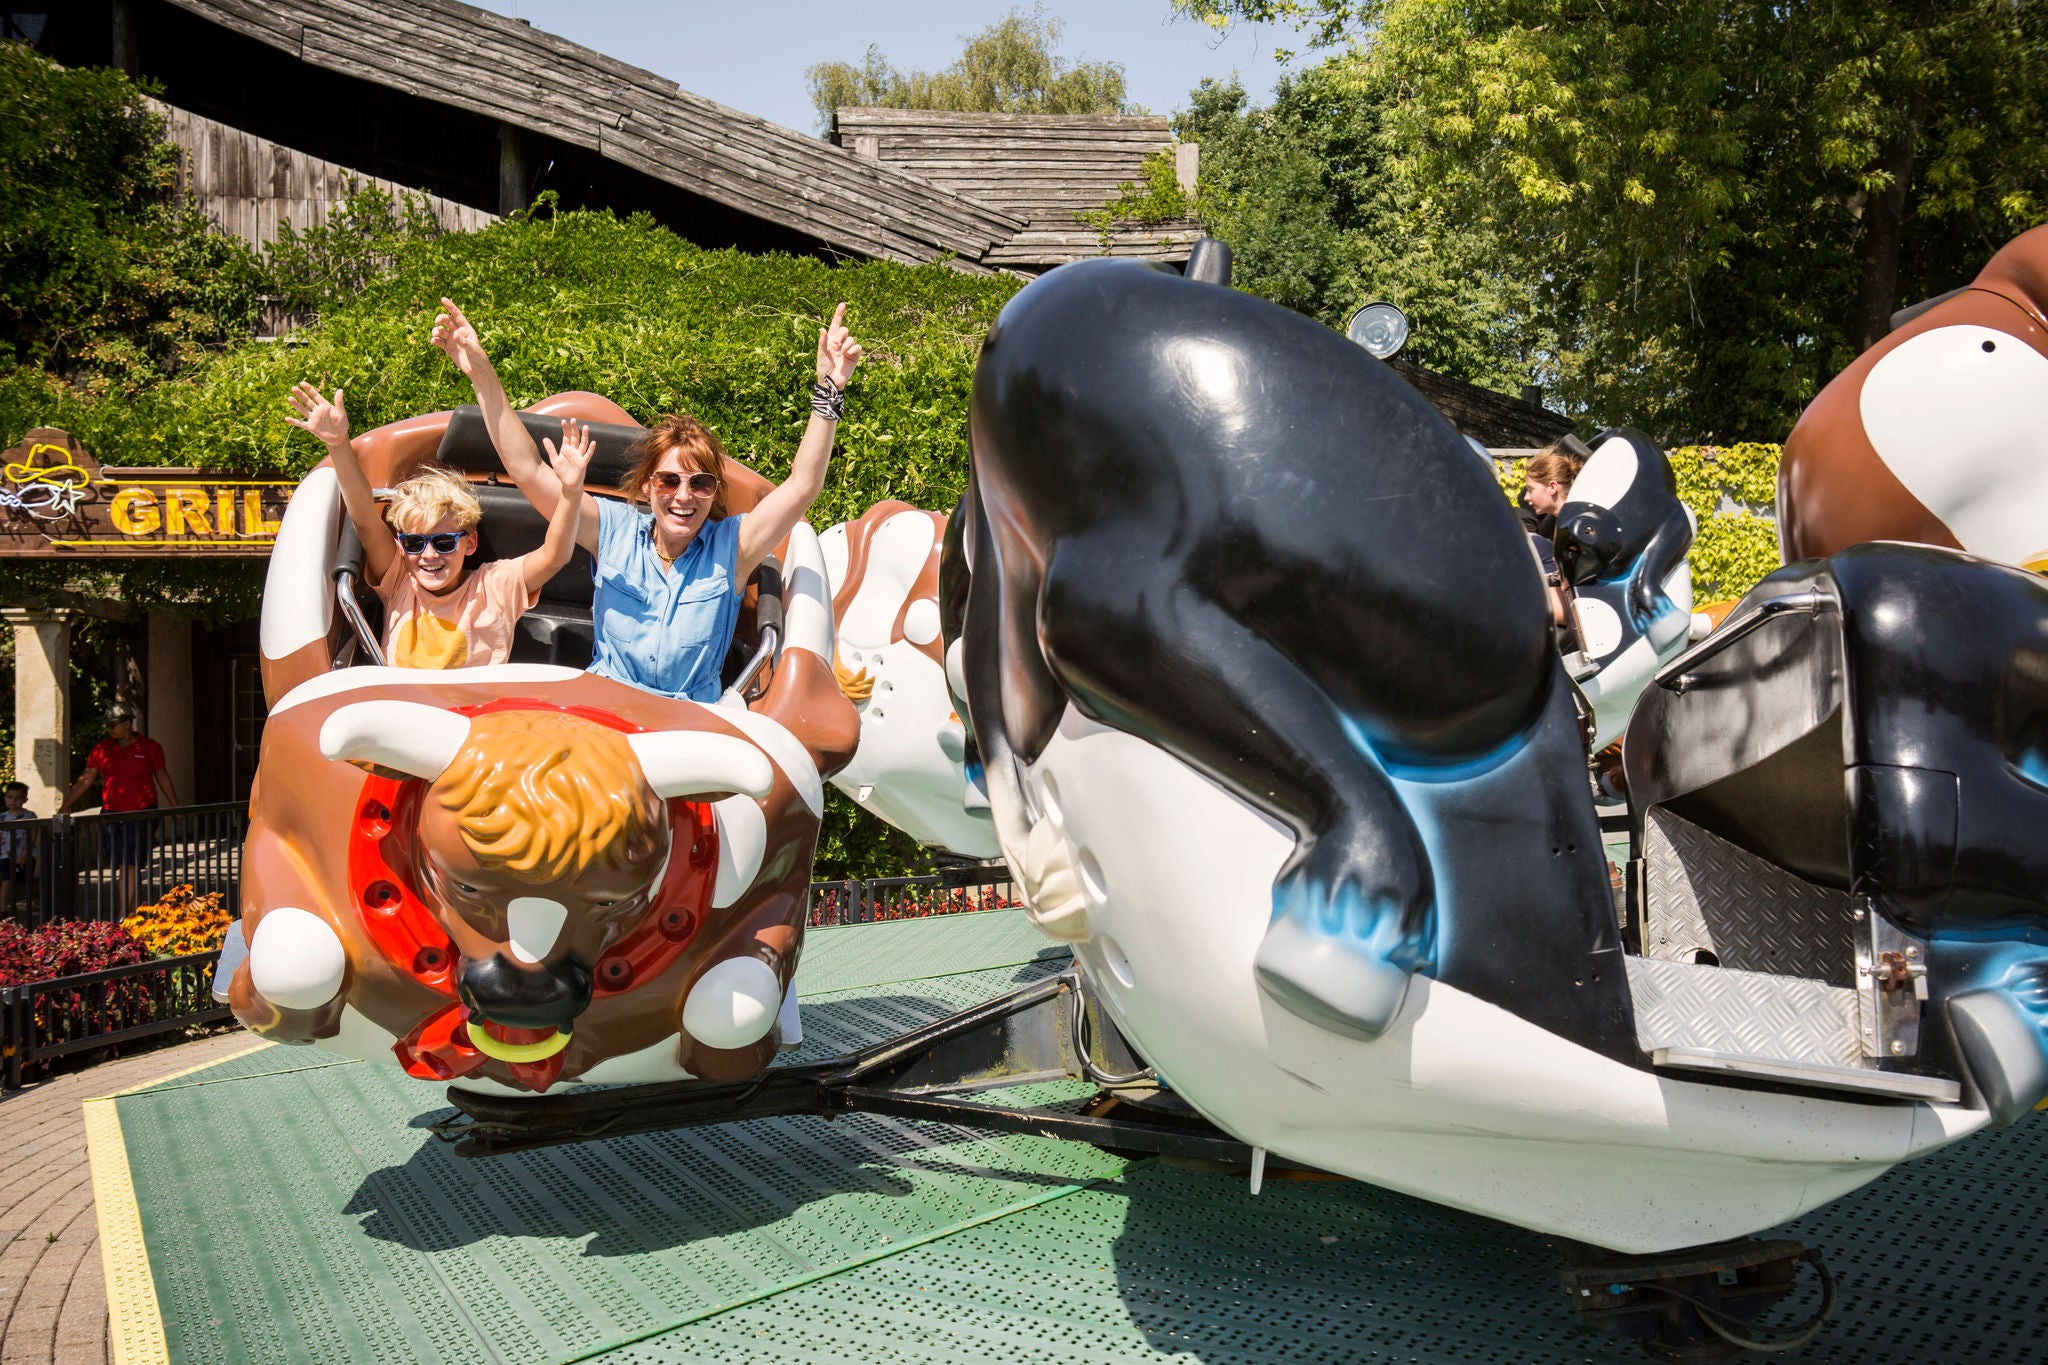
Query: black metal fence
point(42, 1020)
point(47, 1019)
point(952, 891)
point(101, 866)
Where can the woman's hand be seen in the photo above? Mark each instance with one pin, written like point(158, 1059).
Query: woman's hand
point(325, 418)
point(454, 334)
point(838, 352)
point(572, 460)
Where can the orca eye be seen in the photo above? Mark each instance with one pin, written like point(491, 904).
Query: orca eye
point(1990, 345)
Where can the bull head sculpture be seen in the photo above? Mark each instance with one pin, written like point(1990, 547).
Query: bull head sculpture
point(524, 888)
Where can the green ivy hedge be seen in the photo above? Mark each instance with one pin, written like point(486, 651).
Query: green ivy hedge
point(588, 301)
point(1731, 491)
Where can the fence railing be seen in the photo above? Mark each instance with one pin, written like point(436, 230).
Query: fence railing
point(101, 866)
point(41, 1020)
point(952, 891)
point(46, 1019)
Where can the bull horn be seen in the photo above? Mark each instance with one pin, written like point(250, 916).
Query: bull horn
point(693, 763)
point(402, 736)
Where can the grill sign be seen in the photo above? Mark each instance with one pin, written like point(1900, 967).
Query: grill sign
point(56, 500)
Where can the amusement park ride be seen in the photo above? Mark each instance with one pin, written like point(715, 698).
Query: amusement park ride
point(1236, 654)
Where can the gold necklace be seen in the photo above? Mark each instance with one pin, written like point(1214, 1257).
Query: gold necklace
point(656, 544)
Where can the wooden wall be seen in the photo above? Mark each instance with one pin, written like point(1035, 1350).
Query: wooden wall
point(1042, 168)
point(249, 185)
point(538, 84)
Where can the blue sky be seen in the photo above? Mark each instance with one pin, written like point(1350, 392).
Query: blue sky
point(752, 56)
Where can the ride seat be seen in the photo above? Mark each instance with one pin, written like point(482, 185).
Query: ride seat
point(1828, 794)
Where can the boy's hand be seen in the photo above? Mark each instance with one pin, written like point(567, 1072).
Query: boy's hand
point(454, 334)
point(572, 461)
point(325, 418)
point(838, 352)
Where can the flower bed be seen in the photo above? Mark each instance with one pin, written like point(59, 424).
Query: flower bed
point(74, 985)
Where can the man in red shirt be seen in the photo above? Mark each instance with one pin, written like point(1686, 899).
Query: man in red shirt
point(130, 769)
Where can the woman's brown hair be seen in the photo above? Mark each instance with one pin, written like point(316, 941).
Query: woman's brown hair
point(696, 448)
point(1558, 463)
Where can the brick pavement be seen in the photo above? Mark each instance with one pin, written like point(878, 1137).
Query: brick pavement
point(53, 1296)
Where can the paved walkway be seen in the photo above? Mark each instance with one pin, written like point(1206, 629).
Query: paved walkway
point(53, 1298)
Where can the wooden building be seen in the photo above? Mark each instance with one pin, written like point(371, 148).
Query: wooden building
point(252, 186)
point(1046, 169)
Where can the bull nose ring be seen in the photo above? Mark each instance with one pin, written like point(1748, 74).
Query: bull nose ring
point(518, 1052)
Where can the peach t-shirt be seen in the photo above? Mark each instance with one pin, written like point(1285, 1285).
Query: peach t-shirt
point(466, 628)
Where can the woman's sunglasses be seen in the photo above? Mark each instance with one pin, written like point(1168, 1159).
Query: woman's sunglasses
point(444, 543)
point(702, 484)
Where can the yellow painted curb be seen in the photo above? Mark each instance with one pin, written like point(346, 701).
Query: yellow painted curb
point(135, 1326)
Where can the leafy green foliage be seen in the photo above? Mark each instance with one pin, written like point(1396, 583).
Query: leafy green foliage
point(853, 844)
point(622, 308)
point(1712, 207)
point(1304, 194)
point(357, 245)
point(106, 283)
point(1010, 67)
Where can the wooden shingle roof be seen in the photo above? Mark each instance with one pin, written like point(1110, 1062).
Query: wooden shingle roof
point(471, 59)
point(1043, 168)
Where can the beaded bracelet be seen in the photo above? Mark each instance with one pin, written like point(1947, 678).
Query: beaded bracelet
point(828, 402)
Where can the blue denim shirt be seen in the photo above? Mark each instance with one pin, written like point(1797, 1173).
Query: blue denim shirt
point(665, 632)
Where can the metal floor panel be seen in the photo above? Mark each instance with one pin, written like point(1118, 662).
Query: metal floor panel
point(304, 1215)
point(1704, 892)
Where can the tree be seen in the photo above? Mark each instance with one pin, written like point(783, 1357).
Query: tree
point(1715, 206)
point(1305, 193)
point(1010, 67)
point(106, 280)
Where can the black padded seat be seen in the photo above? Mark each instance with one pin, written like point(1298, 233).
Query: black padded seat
point(466, 445)
point(557, 629)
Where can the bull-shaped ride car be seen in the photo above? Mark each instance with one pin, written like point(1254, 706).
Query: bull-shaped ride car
point(915, 767)
point(523, 875)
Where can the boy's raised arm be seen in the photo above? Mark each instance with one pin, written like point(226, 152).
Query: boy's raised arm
point(328, 419)
point(454, 334)
point(570, 463)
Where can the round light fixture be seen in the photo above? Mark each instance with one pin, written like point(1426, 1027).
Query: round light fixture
point(1381, 328)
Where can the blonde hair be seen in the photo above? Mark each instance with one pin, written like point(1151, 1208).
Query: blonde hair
point(547, 796)
point(422, 500)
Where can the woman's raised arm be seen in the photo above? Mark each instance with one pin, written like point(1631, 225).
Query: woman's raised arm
point(777, 514)
point(454, 334)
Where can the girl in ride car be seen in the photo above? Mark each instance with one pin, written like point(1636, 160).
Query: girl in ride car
point(439, 612)
point(670, 563)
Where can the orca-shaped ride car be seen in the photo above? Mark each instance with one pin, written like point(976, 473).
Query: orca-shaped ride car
point(1258, 663)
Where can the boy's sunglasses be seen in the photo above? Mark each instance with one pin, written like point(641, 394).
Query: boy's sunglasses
point(702, 484)
point(443, 543)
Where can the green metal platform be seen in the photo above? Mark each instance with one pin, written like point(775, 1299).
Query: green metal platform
point(291, 1206)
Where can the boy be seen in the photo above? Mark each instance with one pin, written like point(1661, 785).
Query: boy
point(437, 615)
point(14, 851)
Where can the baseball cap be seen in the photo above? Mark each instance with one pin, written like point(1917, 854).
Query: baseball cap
point(120, 710)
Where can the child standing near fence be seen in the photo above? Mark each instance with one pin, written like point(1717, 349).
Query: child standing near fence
point(15, 860)
point(438, 612)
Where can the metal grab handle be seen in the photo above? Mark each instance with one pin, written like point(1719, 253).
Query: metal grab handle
point(1673, 676)
point(345, 594)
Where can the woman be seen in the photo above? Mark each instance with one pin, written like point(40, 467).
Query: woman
point(1546, 480)
point(670, 567)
